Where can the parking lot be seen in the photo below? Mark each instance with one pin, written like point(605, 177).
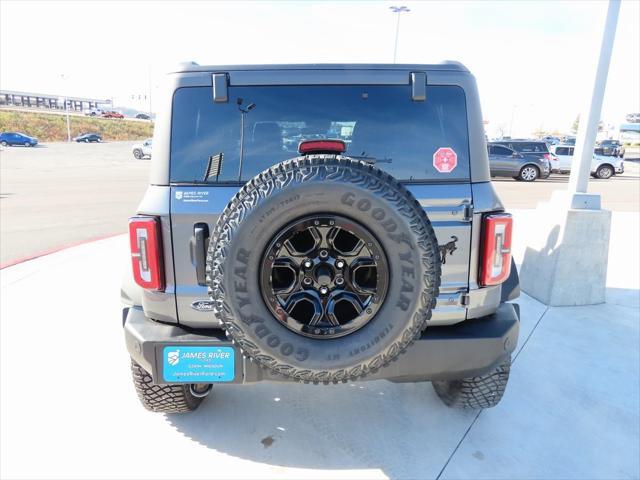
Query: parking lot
point(566, 413)
point(60, 194)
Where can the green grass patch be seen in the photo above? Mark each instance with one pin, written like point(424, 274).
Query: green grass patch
point(53, 128)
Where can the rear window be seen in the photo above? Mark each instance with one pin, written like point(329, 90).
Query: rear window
point(379, 124)
point(530, 147)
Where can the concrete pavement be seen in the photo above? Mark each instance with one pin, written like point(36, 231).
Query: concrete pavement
point(68, 409)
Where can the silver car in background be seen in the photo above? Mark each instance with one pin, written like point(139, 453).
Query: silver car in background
point(602, 166)
point(143, 149)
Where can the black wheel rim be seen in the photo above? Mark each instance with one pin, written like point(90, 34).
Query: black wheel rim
point(324, 276)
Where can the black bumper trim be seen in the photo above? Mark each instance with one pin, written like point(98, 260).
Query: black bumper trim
point(467, 349)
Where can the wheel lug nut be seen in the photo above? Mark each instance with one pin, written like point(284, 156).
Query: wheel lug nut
point(307, 281)
point(324, 290)
point(340, 264)
point(307, 264)
point(339, 281)
point(324, 254)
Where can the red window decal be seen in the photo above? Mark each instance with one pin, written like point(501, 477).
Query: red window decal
point(445, 160)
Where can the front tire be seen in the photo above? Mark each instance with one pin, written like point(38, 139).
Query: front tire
point(604, 172)
point(27, 144)
point(529, 173)
point(173, 398)
point(138, 154)
point(483, 391)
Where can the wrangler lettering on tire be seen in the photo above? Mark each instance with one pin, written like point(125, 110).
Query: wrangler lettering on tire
point(323, 269)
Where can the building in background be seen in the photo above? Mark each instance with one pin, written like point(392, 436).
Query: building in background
point(10, 98)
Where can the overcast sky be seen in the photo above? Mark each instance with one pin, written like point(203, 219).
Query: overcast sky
point(534, 61)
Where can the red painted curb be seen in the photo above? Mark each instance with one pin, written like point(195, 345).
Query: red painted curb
point(57, 249)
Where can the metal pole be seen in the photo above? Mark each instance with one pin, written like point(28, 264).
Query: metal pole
point(395, 48)
point(581, 163)
point(66, 109)
point(397, 11)
point(149, 71)
point(513, 112)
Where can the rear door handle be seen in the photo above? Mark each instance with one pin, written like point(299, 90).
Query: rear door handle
point(199, 246)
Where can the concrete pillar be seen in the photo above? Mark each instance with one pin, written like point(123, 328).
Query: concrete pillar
point(565, 262)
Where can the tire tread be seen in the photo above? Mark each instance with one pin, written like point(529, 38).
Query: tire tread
point(173, 398)
point(483, 391)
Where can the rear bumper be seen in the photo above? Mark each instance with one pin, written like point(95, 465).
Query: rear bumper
point(470, 348)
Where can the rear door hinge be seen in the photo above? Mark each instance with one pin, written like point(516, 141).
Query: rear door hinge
point(418, 86)
point(220, 82)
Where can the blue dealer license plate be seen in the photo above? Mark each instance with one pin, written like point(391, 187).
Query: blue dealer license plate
point(194, 364)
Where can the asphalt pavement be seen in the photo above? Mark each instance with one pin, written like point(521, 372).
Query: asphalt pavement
point(55, 195)
point(59, 194)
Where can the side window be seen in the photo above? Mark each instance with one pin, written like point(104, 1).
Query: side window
point(532, 148)
point(562, 151)
point(571, 150)
point(502, 151)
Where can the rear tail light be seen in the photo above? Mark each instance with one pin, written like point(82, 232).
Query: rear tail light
point(547, 157)
point(146, 252)
point(496, 249)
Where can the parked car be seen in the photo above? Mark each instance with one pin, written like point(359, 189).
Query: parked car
point(93, 112)
point(16, 138)
point(143, 116)
point(143, 149)
point(551, 140)
point(507, 162)
point(601, 166)
point(531, 149)
point(332, 259)
point(88, 138)
point(112, 114)
point(612, 148)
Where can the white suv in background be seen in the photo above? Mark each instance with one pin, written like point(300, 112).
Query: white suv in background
point(601, 166)
point(143, 149)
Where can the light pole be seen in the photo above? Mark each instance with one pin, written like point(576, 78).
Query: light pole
point(588, 127)
point(66, 110)
point(397, 11)
point(149, 72)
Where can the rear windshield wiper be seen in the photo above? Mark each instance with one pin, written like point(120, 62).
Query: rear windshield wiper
point(367, 159)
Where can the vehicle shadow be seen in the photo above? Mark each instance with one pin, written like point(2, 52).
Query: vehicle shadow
point(402, 429)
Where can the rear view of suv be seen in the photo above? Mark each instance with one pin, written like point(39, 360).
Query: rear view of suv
point(320, 224)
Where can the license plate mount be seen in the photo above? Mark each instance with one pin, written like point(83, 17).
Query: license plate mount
point(198, 363)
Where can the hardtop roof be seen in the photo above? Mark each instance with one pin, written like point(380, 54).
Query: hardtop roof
point(448, 65)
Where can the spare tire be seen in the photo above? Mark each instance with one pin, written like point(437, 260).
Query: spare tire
point(323, 269)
